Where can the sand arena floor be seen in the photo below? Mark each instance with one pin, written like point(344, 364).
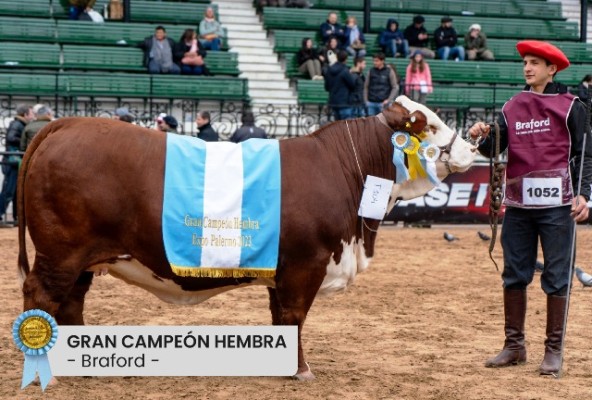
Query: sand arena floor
point(418, 324)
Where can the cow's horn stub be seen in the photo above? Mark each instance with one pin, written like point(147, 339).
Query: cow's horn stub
point(418, 122)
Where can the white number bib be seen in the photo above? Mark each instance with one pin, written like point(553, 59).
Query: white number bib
point(541, 191)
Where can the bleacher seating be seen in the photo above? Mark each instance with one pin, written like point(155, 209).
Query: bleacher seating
point(164, 12)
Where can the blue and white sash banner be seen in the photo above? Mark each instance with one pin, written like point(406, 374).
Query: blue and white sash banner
point(428, 155)
point(35, 332)
point(175, 351)
point(221, 207)
point(400, 141)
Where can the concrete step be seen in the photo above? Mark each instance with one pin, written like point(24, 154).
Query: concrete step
point(237, 12)
point(233, 4)
point(256, 55)
point(246, 28)
point(254, 36)
point(247, 43)
point(272, 93)
point(260, 68)
point(238, 19)
point(262, 76)
point(283, 85)
point(264, 102)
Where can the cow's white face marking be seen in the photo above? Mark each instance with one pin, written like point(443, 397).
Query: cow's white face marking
point(137, 274)
point(340, 276)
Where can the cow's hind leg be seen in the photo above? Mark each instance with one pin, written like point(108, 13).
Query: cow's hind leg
point(290, 306)
point(71, 310)
point(48, 285)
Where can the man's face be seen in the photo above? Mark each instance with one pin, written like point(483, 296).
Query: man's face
point(159, 34)
point(537, 72)
point(210, 12)
point(30, 116)
point(161, 125)
point(332, 18)
point(378, 63)
point(201, 121)
point(362, 65)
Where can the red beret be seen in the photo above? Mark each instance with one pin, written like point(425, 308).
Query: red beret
point(544, 50)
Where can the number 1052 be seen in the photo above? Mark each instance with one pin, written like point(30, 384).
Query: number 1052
point(543, 192)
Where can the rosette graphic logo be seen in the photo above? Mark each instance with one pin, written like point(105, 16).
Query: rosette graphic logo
point(35, 332)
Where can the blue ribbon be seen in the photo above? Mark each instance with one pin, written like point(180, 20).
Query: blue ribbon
point(429, 163)
point(400, 141)
point(36, 360)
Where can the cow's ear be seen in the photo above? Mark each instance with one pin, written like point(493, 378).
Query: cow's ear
point(397, 116)
point(417, 122)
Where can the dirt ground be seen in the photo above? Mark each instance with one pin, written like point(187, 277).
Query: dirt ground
point(418, 324)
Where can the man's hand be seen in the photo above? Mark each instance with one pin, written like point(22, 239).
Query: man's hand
point(579, 209)
point(479, 129)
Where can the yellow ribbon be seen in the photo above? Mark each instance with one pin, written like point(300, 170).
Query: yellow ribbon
point(415, 167)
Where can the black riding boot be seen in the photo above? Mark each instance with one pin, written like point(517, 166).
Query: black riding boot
point(514, 351)
point(555, 326)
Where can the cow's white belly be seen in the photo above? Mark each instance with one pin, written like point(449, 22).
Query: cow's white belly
point(340, 276)
point(135, 273)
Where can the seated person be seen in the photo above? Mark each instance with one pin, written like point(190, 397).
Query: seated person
point(158, 53)
point(190, 54)
point(392, 40)
point(328, 55)
point(331, 28)
point(308, 60)
point(210, 31)
point(446, 41)
point(418, 38)
point(476, 44)
point(355, 42)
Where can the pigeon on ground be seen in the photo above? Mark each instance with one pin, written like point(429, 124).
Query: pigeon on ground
point(483, 236)
point(583, 277)
point(449, 237)
point(539, 266)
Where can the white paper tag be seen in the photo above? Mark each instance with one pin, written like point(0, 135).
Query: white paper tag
point(375, 197)
point(541, 191)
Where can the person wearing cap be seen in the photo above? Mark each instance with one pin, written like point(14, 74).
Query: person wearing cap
point(545, 133)
point(476, 44)
point(168, 123)
point(447, 41)
point(418, 38)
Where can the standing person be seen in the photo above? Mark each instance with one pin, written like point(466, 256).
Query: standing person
point(418, 78)
point(418, 38)
point(210, 31)
point(446, 40)
point(543, 129)
point(583, 88)
point(331, 28)
point(308, 60)
point(355, 42)
point(392, 40)
point(24, 115)
point(190, 54)
point(206, 131)
point(357, 99)
point(248, 130)
point(381, 87)
point(168, 123)
point(158, 53)
point(476, 44)
point(42, 118)
point(340, 83)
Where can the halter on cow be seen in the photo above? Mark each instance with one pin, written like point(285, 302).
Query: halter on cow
point(91, 194)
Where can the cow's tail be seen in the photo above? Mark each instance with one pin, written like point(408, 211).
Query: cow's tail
point(23, 261)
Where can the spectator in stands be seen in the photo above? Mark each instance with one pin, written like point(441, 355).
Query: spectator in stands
point(418, 78)
point(190, 54)
point(331, 28)
point(206, 131)
point(392, 41)
point(418, 38)
point(328, 55)
point(77, 7)
point(476, 44)
point(210, 31)
point(446, 40)
point(308, 60)
point(340, 84)
point(24, 114)
point(381, 87)
point(355, 42)
point(583, 88)
point(168, 123)
point(158, 53)
point(123, 114)
point(89, 14)
point(298, 3)
point(248, 130)
point(357, 97)
point(42, 118)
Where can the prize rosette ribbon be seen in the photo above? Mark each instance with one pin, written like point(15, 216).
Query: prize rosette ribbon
point(35, 332)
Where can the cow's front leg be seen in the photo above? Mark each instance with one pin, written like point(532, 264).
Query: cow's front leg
point(293, 299)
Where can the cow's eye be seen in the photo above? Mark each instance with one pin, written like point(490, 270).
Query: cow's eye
point(433, 129)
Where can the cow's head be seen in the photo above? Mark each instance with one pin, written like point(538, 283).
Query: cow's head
point(457, 155)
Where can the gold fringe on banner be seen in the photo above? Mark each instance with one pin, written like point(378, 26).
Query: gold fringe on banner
point(205, 272)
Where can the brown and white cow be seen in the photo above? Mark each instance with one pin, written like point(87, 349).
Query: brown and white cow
point(91, 194)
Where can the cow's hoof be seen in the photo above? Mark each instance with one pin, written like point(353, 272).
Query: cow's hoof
point(304, 374)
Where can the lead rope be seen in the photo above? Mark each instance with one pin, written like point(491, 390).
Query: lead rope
point(361, 175)
point(495, 192)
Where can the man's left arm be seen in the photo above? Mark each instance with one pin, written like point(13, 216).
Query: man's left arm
point(581, 147)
